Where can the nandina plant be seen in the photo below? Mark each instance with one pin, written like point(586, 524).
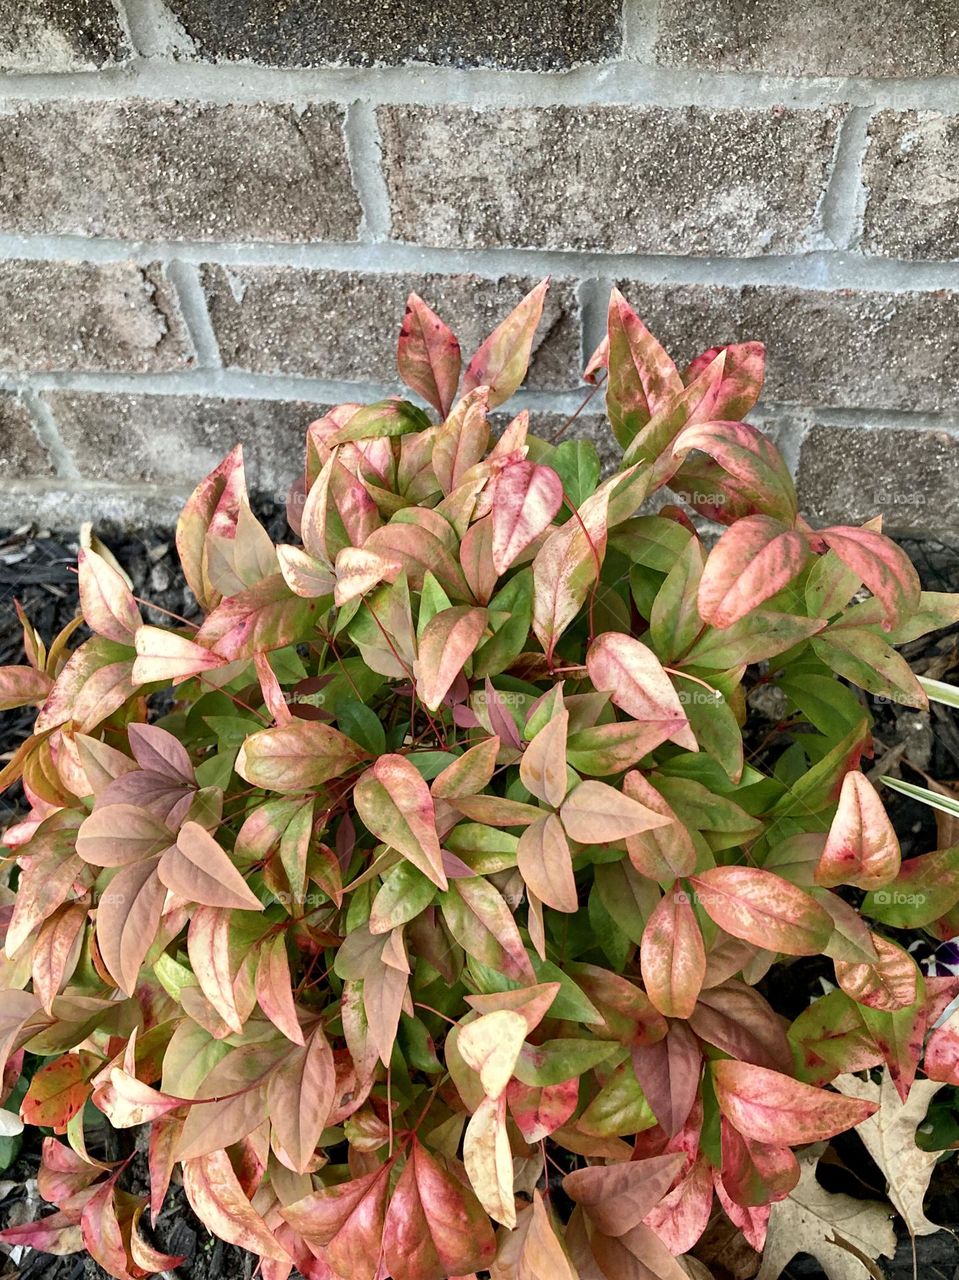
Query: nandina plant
point(437, 894)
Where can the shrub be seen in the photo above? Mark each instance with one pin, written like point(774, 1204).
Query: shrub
point(459, 850)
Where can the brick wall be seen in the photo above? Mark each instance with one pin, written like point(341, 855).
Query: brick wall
point(211, 212)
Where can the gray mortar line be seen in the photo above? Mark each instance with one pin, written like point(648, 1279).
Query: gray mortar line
point(362, 137)
point(185, 278)
point(621, 82)
point(154, 31)
point(46, 430)
point(820, 269)
point(843, 202)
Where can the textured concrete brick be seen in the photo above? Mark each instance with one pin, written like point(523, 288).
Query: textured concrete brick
point(911, 174)
point(842, 347)
point(344, 325)
point(644, 179)
point(178, 171)
point(59, 35)
point(541, 34)
point(909, 476)
point(176, 440)
point(22, 456)
point(809, 37)
point(89, 317)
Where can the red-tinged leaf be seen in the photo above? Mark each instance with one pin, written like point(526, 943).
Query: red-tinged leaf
point(57, 1233)
point(297, 757)
point(213, 507)
point(752, 561)
point(435, 1226)
point(489, 1163)
point(57, 1092)
point(105, 599)
point(617, 1197)
point(941, 1058)
point(419, 550)
point(497, 811)
point(273, 696)
point(737, 1020)
point(898, 1036)
point(118, 834)
point(542, 768)
point(526, 497)
point(469, 774)
point(164, 655)
point(128, 917)
point(636, 682)
point(128, 1102)
point(198, 870)
point(144, 1255)
point(274, 989)
point(23, 687)
point(396, 806)
point(767, 1106)
point(461, 442)
point(448, 641)
point(540, 1110)
point(668, 1072)
point(346, 1221)
point(764, 909)
point(164, 1138)
point(428, 355)
point(208, 946)
point(385, 992)
point(661, 853)
point(263, 617)
point(683, 1214)
point(861, 848)
point(534, 1250)
point(594, 813)
point(885, 569)
point(567, 565)
point(303, 574)
point(747, 469)
point(57, 950)
point(501, 362)
point(63, 1173)
point(637, 1255)
point(158, 751)
point(481, 922)
point(673, 956)
point(217, 1199)
point(890, 984)
point(742, 378)
point(300, 1096)
point(753, 1222)
point(755, 1173)
point(545, 862)
point(359, 569)
point(642, 379)
point(491, 1045)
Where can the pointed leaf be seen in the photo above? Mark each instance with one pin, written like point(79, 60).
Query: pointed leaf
point(526, 497)
point(197, 869)
point(396, 806)
point(752, 561)
point(767, 1106)
point(428, 356)
point(636, 682)
point(502, 360)
point(861, 848)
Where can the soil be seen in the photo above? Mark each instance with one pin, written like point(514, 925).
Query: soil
point(37, 569)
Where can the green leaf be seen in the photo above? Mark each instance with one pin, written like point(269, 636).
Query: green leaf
point(576, 462)
point(362, 724)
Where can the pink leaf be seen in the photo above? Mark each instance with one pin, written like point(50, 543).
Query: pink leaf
point(501, 362)
point(752, 561)
point(428, 355)
point(526, 497)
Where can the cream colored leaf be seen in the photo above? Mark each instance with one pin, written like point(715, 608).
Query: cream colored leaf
point(491, 1046)
point(489, 1162)
point(890, 1138)
point(811, 1220)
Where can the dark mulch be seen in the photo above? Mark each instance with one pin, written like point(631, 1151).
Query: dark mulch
point(37, 569)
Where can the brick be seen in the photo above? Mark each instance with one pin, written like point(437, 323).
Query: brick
point(177, 171)
point(22, 456)
point(911, 174)
point(910, 476)
point(344, 325)
point(808, 37)
point(538, 35)
point(687, 180)
point(177, 440)
point(89, 317)
point(843, 347)
point(60, 35)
